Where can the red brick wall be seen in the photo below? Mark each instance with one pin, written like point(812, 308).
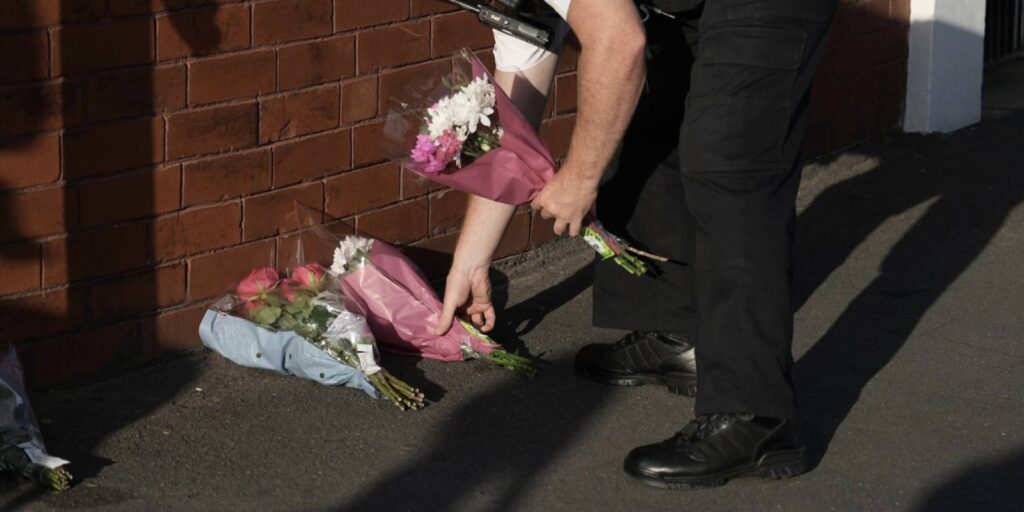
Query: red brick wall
point(152, 150)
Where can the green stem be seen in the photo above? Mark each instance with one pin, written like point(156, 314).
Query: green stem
point(514, 362)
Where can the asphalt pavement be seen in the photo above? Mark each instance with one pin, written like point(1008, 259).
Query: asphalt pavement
point(909, 341)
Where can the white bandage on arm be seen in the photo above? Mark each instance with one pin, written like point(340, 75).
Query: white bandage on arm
point(511, 54)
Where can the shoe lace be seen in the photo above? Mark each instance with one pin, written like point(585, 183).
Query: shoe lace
point(694, 431)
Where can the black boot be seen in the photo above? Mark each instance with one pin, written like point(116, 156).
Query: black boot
point(712, 450)
point(642, 358)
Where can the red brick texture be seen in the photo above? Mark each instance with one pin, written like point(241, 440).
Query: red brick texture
point(152, 152)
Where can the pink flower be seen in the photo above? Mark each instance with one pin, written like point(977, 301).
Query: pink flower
point(287, 289)
point(309, 277)
point(257, 283)
point(424, 150)
point(448, 146)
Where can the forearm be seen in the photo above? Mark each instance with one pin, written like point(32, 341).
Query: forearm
point(611, 72)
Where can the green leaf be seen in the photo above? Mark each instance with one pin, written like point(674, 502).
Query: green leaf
point(266, 315)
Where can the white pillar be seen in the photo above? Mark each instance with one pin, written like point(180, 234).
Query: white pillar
point(944, 70)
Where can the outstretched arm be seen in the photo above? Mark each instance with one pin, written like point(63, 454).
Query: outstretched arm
point(468, 286)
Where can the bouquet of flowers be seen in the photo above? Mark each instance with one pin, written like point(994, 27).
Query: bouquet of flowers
point(21, 443)
point(390, 291)
point(462, 131)
point(299, 326)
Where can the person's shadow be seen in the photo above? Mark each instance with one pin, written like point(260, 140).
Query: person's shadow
point(966, 201)
point(73, 428)
point(990, 485)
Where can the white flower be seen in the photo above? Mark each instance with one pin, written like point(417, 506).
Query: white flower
point(351, 253)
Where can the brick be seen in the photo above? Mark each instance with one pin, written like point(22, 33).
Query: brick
point(42, 314)
point(403, 82)
point(900, 11)
point(359, 99)
point(135, 91)
point(486, 57)
point(36, 213)
point(22, 268)
point(885, 81)
point(394, 45)
point(459, 30)
point(414, 185)
point(397, 224)
point(90, 255)
point(280, 211)
point(447, 209)
point(112, 147)
point(867, 16)
point(240, 75)
point(541, 230)
point(80, 48)
point(316, 62)
point(357, 14)
point(131, 196)
point(362, 190)
point(130, 295)
point(828, 98)
point(568, 57)
point(366, 144)
point(226, 177)
point(26, 57)
point(28, 162)
point(211, 130)
point(311, 157)
point(299, 113)
point(427, 7)
point(287, 20)
point(196, 230)
point(129, 7)
point(172, 331)
point(565, 94)
point(310, 246)
point(39, 107)
point(203, 31)
point(22, 14)
point(516, 238)
point(84, 353)
point(219, 272)
point(557, 134)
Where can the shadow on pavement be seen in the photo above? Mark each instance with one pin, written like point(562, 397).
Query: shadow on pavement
point(492, 449)
point(967, 200)
point(993, 485)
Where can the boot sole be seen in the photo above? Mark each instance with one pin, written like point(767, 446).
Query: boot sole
point(679, 383)
point(771, 466)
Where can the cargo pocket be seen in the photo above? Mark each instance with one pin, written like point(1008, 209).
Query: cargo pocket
point(740, 103)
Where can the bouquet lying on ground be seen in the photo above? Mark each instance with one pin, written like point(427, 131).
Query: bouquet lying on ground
point(21, 443)
point(300, 326)
point(461, 130)
point(390, 291)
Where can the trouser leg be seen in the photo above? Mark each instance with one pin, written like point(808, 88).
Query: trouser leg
point(644, 201)
point(739, 149)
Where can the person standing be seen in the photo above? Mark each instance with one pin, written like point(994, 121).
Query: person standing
point(705, 166)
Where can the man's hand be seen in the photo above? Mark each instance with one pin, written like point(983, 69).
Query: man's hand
point(468, 292)
point(567, 199)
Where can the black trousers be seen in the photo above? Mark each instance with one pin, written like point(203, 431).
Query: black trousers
point(707, 175)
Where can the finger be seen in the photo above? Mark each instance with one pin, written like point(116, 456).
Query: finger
point(545, 215)
point(574, 228)
point(559, 227)
point(447, 314)
point(489, 318)
point(478, 319)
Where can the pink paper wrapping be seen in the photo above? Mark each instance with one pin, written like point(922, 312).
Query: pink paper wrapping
point(513, 173)
point(402, 309)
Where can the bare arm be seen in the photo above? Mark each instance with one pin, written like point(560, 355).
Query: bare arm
point(610, 75)
point(486, 220)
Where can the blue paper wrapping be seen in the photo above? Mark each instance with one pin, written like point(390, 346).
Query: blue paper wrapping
point(245, 343)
